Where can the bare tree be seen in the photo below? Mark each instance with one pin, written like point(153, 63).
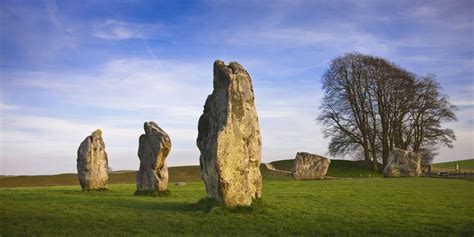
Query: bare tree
point(430, 109)
point(373, 105)
point(347, 114)
point(427, 155)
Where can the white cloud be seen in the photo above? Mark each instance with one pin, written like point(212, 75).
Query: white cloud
point(340, 37)
point(168, 92)
point(121, 30)
point(51, 143)
point(4, 107)
point(126, 84)
point(137, 90)
point(423, 11)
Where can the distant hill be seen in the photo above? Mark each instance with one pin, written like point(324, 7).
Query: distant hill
point(176, 174)
point(338, 168)
point(467, 165)
point(182, 173)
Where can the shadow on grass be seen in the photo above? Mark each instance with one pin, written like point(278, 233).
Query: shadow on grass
point(153, 201)
point(209, 205)
point(204, 205)
point(94, 192)
point(153, 193)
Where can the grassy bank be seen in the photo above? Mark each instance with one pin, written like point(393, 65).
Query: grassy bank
point(337, 168)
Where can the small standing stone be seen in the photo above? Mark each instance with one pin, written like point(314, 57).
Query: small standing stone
point(92, 163)
point(310, 166)
point(402, 163)
point(154, 147)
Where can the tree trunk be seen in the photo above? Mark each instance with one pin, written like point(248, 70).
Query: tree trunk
point(374, 161)
point(366, 151)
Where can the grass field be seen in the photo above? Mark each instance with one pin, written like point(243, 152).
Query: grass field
point(375, 206)
point(338, 207)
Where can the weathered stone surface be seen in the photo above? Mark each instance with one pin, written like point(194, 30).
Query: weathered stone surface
point(92, 162)
point(229, 138)
point(310, 166)
point(402, 163)
point(154, 146)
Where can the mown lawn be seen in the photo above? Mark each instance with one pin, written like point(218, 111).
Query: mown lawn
point(342, 207)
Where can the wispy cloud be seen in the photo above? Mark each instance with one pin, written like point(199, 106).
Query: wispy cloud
point(52, 10)
point(5, 107)
point(345, 37)
point(423, 11)
point(121, 30)
point(36, 34)
point(126, 84)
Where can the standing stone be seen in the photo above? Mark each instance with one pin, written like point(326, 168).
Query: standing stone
point(310, 166)
point(229, 138)
point(154, 147)
point(402, 163)
point(92, 163)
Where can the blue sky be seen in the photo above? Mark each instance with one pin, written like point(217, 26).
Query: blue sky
point(69, 67)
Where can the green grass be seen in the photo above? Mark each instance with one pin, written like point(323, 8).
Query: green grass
point(338, 207)
point(343, 207)
point(463, 165)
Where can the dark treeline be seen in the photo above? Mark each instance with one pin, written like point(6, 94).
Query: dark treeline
point(371, 106)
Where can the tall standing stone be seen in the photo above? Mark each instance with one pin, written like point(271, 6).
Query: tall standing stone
point(402, 163)
point(154, 147)
point(92, 163)
point(229, 138)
